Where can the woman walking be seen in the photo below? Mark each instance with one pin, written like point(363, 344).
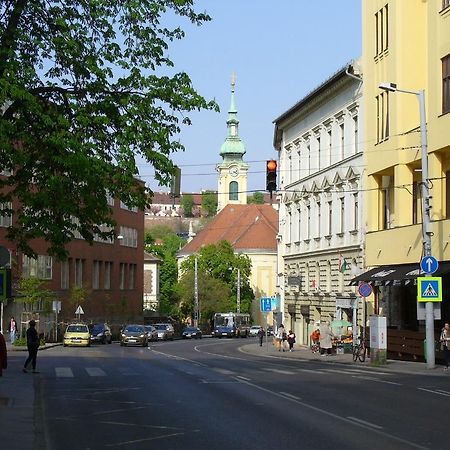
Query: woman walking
point(13, 330)
point(445, 343)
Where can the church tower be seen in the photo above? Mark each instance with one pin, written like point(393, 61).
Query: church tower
point(232, 170)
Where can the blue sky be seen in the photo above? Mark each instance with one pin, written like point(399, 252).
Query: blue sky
point(279, 50)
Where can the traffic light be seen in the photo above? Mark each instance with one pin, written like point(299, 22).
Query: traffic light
point(271, 175)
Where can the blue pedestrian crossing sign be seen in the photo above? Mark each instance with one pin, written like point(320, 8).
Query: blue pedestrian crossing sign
point(268, 304)
point(429, 289)
point(429, 264)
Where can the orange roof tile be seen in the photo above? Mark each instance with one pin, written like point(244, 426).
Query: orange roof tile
point(246, 227)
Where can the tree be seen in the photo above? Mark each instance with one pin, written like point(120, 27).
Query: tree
point(187, 203)
point(219, 262)
point(257, 197)
point(209, 202)
point(31, 291)
point(86, 87)
point(158, 231)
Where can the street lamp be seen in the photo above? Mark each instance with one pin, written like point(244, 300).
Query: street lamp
point(426, 226)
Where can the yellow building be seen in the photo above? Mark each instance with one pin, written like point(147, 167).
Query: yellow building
point(405, 42)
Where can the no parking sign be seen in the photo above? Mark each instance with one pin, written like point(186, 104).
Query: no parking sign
point(365, 289)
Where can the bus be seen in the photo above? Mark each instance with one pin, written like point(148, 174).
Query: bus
point(231, 324)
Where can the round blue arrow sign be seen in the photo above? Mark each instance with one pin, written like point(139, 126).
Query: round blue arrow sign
point(429, 264)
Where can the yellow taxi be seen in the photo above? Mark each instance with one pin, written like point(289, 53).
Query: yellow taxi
point(77, 334)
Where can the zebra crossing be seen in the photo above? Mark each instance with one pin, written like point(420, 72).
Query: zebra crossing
point(67, 372)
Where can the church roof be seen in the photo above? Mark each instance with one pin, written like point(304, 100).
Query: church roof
point(249, 228)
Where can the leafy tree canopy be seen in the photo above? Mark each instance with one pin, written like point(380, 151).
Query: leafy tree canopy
point(257, 197)
point(86, 87)
point(209, 202)
point(187, 203)
point(157, 232)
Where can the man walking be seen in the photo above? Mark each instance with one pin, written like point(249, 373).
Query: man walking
point(33, 346)
point(260, 336)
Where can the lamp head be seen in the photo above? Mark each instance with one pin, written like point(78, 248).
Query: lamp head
point(391, 87)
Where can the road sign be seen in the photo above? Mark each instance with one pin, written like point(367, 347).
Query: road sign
point(429, 264)
point(79, 310)
point(429, 289)
point(266, 304)
point(365, 289)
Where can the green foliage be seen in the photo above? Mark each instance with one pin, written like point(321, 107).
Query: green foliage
point(22, 342)
point(157, 232)
point(78, 295)
point(87, 88)
point(217, 263)
point(209, 203)
point(257, 197)
point(31, 290)
point(187, 203)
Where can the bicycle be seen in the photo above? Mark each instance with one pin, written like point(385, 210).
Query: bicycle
point(359, 351)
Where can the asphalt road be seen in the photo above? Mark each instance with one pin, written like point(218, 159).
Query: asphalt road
point(207, 394)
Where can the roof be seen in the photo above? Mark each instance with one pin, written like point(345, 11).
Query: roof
point(246, 227)
point(150, 257)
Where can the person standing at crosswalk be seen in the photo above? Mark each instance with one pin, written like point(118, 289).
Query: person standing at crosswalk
point(33, 346)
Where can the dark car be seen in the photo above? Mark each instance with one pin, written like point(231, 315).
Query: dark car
point(191, 333)
point(134, 335)
point(100, 332)
point(152, 332)
point(222, 331)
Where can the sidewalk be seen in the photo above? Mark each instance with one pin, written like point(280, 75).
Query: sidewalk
point(304, 353)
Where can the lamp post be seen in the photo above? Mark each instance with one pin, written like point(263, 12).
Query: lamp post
point(426, 225)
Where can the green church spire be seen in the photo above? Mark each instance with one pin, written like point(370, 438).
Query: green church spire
point(233, 148)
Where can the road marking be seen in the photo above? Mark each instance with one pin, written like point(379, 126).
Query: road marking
point(441, 390)
point(64, 372)
point(311, 371)
point(434, 392)
point(143, 440)
point(282, 372)
point(286, 394)
point(337, 417)
point(95, 372)
point(110, 411)
point(364, 422)
point(376, 380)
point(127, 372)
point(342, 372)
point(243, 378)
point(223, 371)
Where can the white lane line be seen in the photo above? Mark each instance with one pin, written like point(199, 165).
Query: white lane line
point(342, 372)
point(434, 392)
point(64, 372)
point(110, 411)
point(282, 372)
point(337, 417)
point(95, 372)
point(286, 394)
point(376, 380)
point(223, 371)
point(441, 390)
point(243, 378)
point(364, 422)
point(311, 371)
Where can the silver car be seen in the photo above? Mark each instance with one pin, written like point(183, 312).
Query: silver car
point(152, 333)
point(165, 331)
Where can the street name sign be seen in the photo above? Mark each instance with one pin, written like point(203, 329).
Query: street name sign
point(429, 289)
point(429, 264)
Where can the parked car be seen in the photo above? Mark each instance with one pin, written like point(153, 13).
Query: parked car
point(270, 330)
point(191, 332)
point(77, 334)
point(152, 333)
point(133, 335)
point(100, 332)
point(165, 331)
point(222, 331)
point(254, 329)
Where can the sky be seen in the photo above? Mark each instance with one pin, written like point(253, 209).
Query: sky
point(279, 50)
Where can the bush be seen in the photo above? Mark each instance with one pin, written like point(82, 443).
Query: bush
point(22, 342)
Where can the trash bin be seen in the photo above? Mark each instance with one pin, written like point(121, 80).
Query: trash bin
point(339, 348)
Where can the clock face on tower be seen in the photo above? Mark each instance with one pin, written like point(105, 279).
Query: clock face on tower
point(234, 171)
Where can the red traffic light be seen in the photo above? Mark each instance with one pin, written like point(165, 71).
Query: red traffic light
point(271, 175)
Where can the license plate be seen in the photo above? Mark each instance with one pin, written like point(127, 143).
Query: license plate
point(132, 340)
point(224, 334)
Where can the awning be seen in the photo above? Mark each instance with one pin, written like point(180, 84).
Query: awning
point(397, 275)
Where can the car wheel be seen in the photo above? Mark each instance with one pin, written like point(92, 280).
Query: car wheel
point(110, 340)
point(103, 340)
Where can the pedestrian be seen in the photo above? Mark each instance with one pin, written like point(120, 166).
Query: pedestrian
point(281, 337)
point(260, 336)
point(3, 354)
point(291, 340)
point(12, 330)
point(445, 344)
point(325, 338)
point(33, 346)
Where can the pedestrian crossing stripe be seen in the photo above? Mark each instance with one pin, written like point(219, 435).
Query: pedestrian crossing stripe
point(429, 289)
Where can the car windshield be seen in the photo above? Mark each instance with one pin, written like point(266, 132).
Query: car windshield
point(77, 329)
point(98, 328)
point(190, 329)
point(161, 326)
point(134, 329)
point(149, 328)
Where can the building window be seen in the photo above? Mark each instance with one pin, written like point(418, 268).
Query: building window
point(233, 191)
point(95, 274)
point(132, 276)
point(289, 228)
point(128, 208)
point(382, 103)
point(330, 218)
point(308, 150)
point(79, 272)
point(40, 268)
point(122, 276)
point(308, 221)
point(330, 147)
point(319, 218)
point(355, 133)
point(104, 229)
point(107, 275)
point(65, 274)
point(446, 84)
point(5, 215)
point(342, 140)
point(342, 224)
point(298, 225)
point(381, 30)
point(129, 237)
point(318, 153)
point(355, 212)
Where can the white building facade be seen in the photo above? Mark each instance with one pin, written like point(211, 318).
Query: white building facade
point(321, 234)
